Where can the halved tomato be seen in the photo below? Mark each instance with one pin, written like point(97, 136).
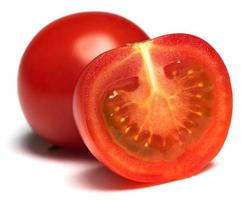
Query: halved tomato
point(155, 111)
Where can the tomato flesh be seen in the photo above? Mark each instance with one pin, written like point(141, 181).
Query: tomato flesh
point(152, 112)
point(165, 119)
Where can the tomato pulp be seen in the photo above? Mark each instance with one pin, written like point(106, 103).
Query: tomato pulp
point(155, 111)
point(52, 63)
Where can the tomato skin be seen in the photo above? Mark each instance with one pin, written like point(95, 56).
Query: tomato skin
point(96, 136)
point(52, 63)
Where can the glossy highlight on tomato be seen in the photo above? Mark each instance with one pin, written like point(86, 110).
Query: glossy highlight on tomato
point(155, 111)
point(52, 63)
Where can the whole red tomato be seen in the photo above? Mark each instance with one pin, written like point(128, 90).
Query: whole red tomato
point(52, 63)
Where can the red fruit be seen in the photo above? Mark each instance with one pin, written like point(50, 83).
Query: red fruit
point(52, 63)
point(155, 111)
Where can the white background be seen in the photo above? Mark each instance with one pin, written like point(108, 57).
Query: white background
point(29, 171)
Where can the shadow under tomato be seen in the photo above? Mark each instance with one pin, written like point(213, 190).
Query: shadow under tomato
point(30, 143)
point(209, 167)
point(102, 179)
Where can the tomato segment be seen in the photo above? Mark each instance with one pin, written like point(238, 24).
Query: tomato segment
point(153, 113)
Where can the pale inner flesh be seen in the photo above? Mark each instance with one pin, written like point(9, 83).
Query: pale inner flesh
point(166, 110)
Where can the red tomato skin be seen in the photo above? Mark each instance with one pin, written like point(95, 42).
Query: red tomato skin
point(193, 161)
point(52, 63)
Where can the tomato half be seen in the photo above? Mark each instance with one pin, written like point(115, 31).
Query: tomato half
point(52, 63)
point(155, 111)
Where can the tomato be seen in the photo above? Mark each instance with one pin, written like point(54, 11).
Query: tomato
point(155, 111)
point(52, 63)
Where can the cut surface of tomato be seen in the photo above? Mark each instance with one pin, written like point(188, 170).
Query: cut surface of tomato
point(155, 111)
